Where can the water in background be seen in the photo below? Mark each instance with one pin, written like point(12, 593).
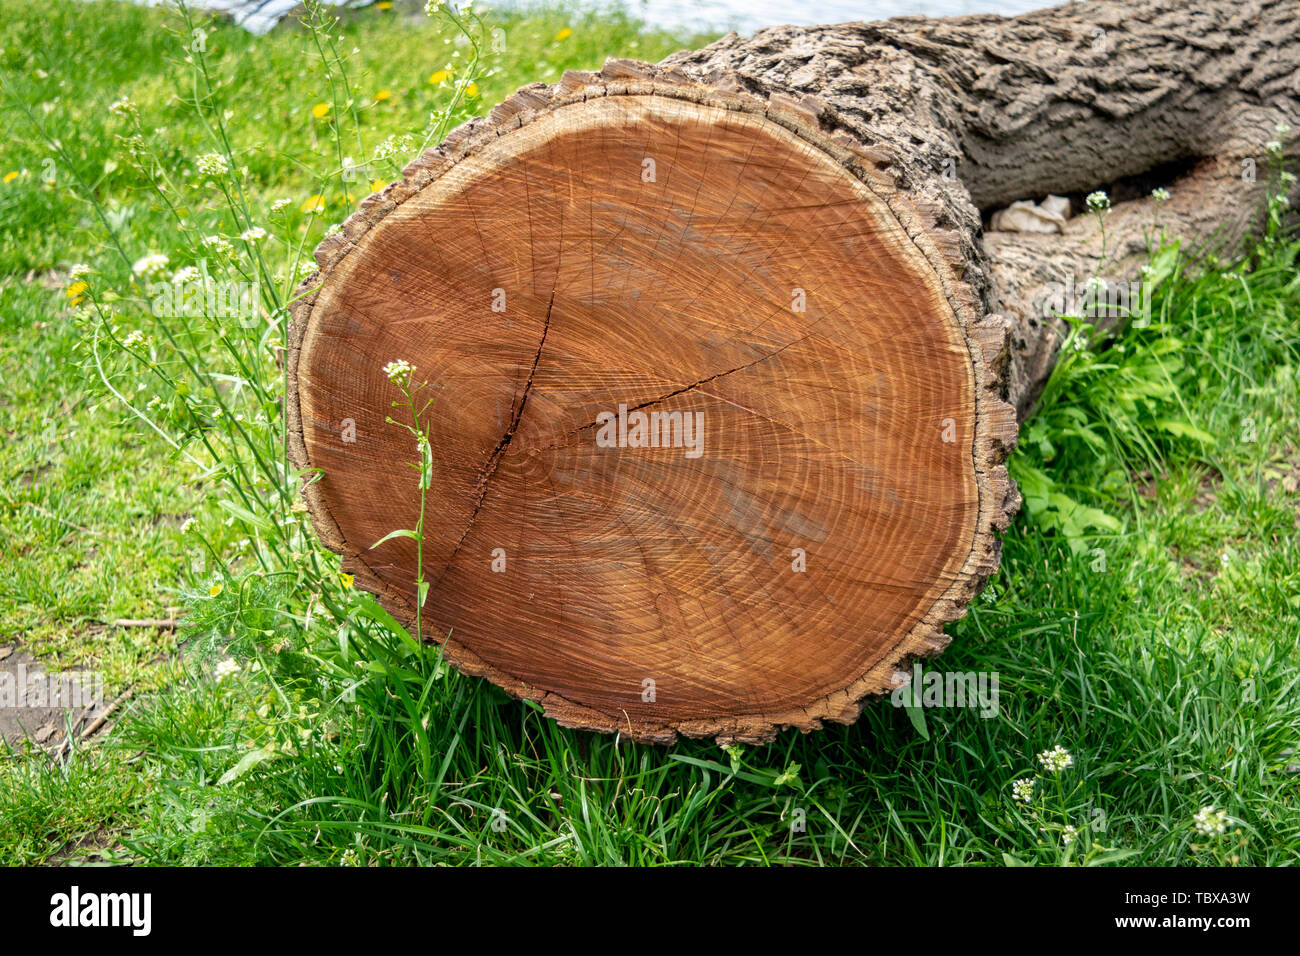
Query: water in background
point(746, 16)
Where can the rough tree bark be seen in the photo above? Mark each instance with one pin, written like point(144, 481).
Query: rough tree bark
point(779, 240)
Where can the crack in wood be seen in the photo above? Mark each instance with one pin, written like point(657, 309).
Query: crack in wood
point(494, 460)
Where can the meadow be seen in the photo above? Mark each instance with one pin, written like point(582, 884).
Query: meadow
point(1143, 626)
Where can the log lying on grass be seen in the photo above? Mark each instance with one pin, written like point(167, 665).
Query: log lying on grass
point(724, 371)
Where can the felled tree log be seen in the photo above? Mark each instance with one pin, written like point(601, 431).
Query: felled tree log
point(725, 371)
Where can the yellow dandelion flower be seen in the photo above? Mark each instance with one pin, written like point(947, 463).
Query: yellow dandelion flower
point(378, 186)
point(564, 34)
point(314, 204)
point(441, 76)
point(216, 589)
point(77, 291)
point(471, 89)
point(382, 95)
point(346, 578)
point(383, 5)
point(10, 177)
point(320, 110)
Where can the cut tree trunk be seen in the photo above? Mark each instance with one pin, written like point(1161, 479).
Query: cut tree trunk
point(770, 253)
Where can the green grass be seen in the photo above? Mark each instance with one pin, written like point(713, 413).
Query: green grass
point(1144, 618)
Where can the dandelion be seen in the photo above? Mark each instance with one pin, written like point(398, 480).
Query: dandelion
point(314, 204)
point(1210, 822)
point(216, 589)
point(346, 579)
point(320, 110)
point(133, 340)
point(378, 186)
point(150, 265)
point(1069, 834)
point(212, 164)
point(77, 292)
point(384, 5)
point(382, 95)
point(1056, 759)
point(1160, 195)
point(399, 371)
point(280, 204)
point(471, 89)
point(563, 34)
point(253, 234)
point(1022, 791)
point(11, 176)
point(1098, 201)
point(227, 668)
point(439, 76)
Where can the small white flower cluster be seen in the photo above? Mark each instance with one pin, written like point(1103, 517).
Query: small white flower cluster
point(279, 204)
point(212, 164)
point(218, 245)
point(1210, 822)
point(187, 274)
point(395, 147)
point(1022, 791)
point(227, 668)
point(135, 339)
point(253, 234)
point(1098, 201)
point(305, 269)
point(1275, 145)
point(123, 107)
point(399, 371)
point(79, 271)
point(1069, 834)
point(150, 265)
point(431, 7)
point(1160, 195)
point(1056, 759)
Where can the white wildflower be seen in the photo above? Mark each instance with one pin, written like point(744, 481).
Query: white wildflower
point(1210, 822)
point(253, 234)
point(212, 164)
point(150, 265)
point(1056, 759)
point(218, 245)
point(1022, 791)
point(1098, 201)
point(227, 668)
point(399, 371)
